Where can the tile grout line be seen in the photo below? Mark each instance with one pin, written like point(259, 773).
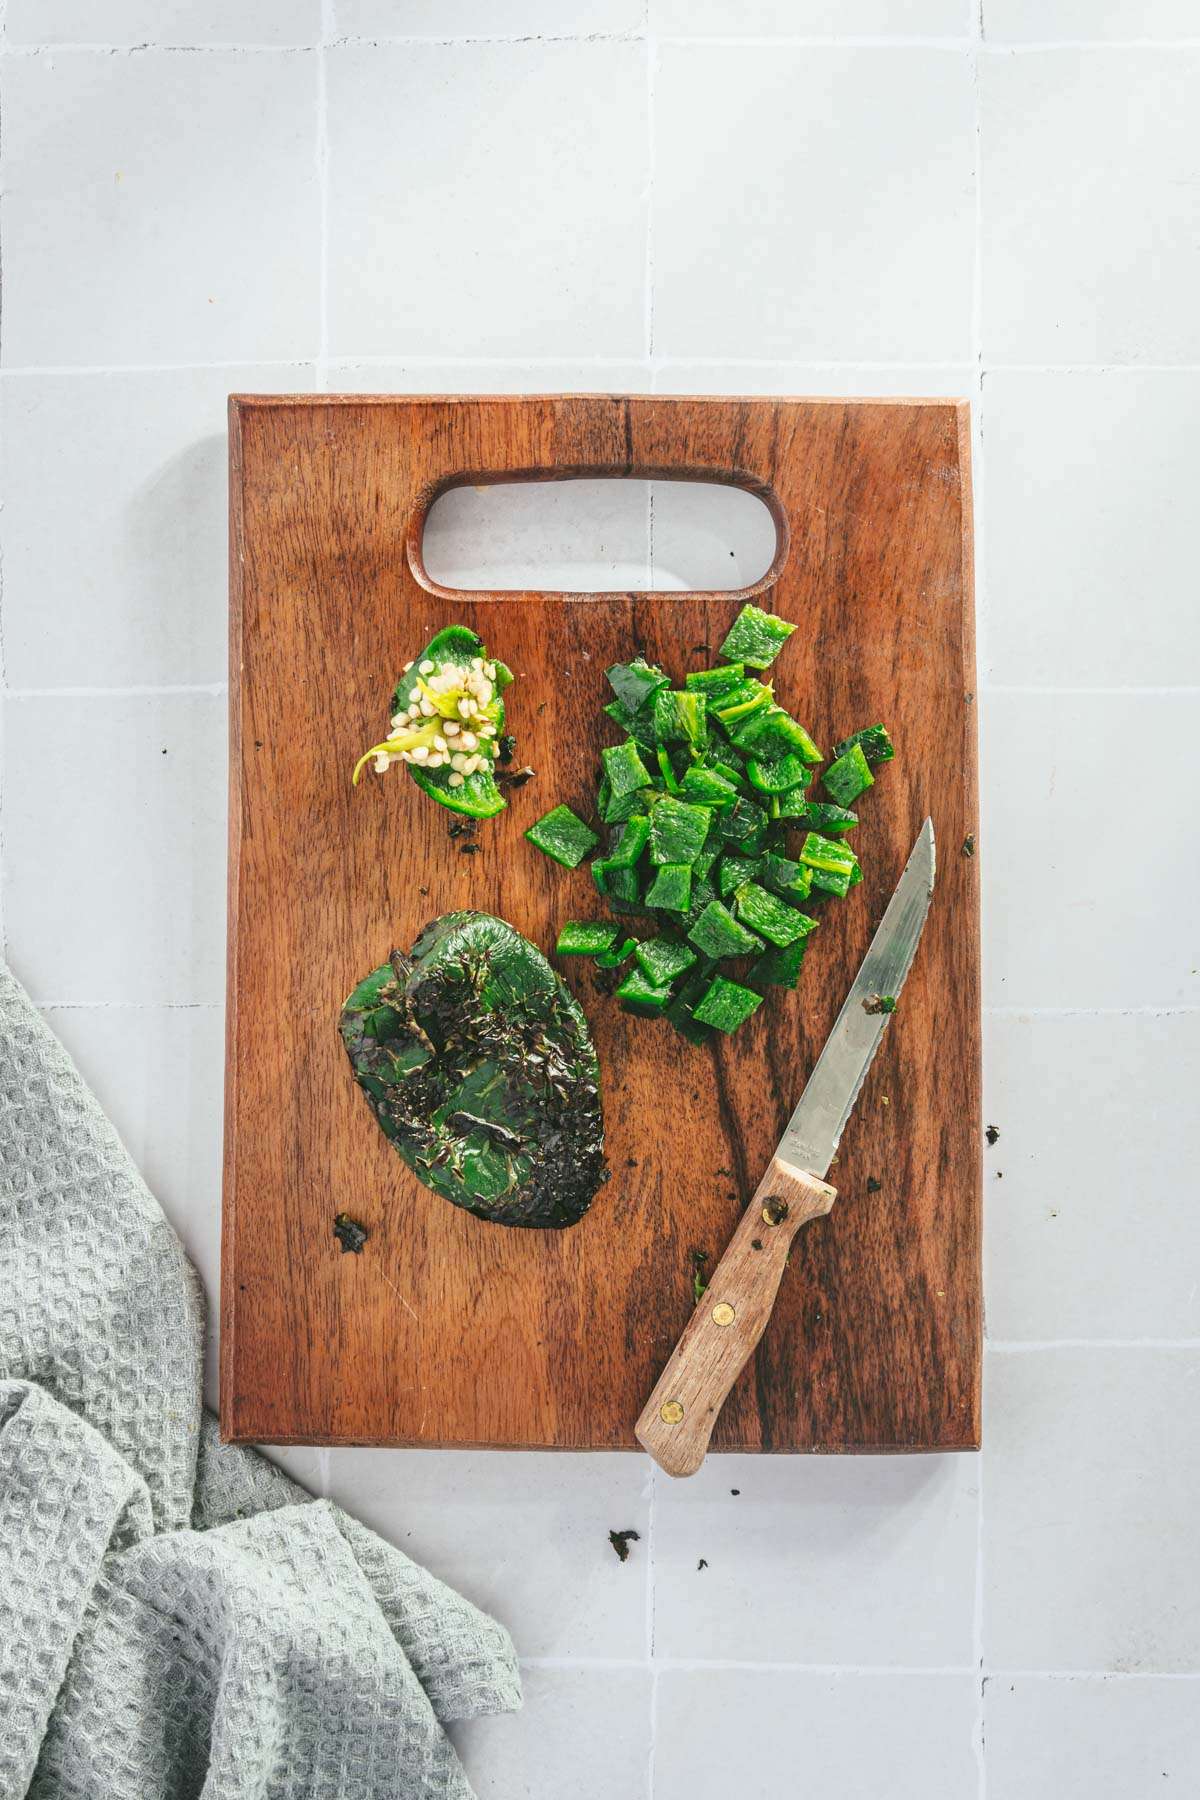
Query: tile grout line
point(700, 1665)
point(516, 40)
point(978, 483)
point(658, 363)
point(321, 365)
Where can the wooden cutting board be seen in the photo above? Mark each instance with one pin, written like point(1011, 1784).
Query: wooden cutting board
point(450, 1331)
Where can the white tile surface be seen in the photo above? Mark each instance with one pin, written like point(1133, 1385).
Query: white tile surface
point(114, 843)
point(529, 239)
point(1090, 248)
point(159, 207)
point(126, 583)
point(1068, 924)
point(818, 1560)
point(181, 22)
point(1085, 536)
point(574, 535)
point(1042, 21)
point(1092, 1460)
point(582, 1731)
point(525, 1536)
point(485, 18)
point(157, 1071)
point(1090, 1226)
point(799, 380)
point(1091, 1740)
point(811, 18)
point(762, 1734)
point(589, 375)
point(831, 215)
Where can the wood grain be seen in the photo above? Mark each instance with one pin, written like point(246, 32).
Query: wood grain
point(448, 1330)
point(730, 1317)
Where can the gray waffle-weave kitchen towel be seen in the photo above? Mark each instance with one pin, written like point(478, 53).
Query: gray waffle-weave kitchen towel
point(178, 1618)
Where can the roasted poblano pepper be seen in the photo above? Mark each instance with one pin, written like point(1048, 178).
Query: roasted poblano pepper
point(447, 723)
point(479, 1068)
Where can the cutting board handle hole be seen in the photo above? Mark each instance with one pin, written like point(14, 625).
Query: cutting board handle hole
point(608, 534)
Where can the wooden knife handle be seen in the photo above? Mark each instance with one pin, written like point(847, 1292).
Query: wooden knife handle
point(721, 1334)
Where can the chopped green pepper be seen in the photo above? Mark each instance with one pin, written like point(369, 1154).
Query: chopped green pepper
point(677, 830)
point(708, 786)
point(671, 887)
point(663, 960)
point(780, 965)
point(717, 933)
point(772, 732)
point(579, 938)
point(637, 993)
point(848, 777)
point(563, 836)
point(624, 768)
point(770, 916)
point(727, 1004)
point(833, 821)
point(776, 774)
point(876, 745)
point(630, 839)
point(616, 954)
point(735, 871)
point(715, 681)
point(756, 637)
point(636, 683)
point(679, 718)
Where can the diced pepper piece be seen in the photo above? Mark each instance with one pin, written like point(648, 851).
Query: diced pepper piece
point(773, 732)
point(708, 786)
point(756, 637)
point(727, 1004)
point(717, 933)
point(702, 893)
point(637, 993)
point(616, 954)
point(636, 683)
point(743, 825)
point(662, 757)
point(621, 887)
point(776, 774)
point(716, 681)
point(579, 938)
point(749, 697)
point(615, 812)
point(817, 852)
point(791, 805)
point(671, 887)
point(637, 725)
point(876, 745)
point(832, 821)
point(679, 718)
point(848, 777)
point(677, 830)
point(705, 861)
point(663, 960)
point(783, 876)
point(735, 871)
point(770, 916)
point(629, 840)
point(780, 965)
point(625, 769)
point(563, 836)
point(833, 881)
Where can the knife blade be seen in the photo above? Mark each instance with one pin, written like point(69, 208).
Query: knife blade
point(814, 1131)
point(677, 1421)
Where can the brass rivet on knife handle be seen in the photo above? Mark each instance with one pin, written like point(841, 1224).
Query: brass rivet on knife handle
point(679, 1416)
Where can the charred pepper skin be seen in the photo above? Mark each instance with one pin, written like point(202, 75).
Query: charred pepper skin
point(480, 1070)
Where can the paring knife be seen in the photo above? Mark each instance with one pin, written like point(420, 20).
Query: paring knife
point(732, 1315)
